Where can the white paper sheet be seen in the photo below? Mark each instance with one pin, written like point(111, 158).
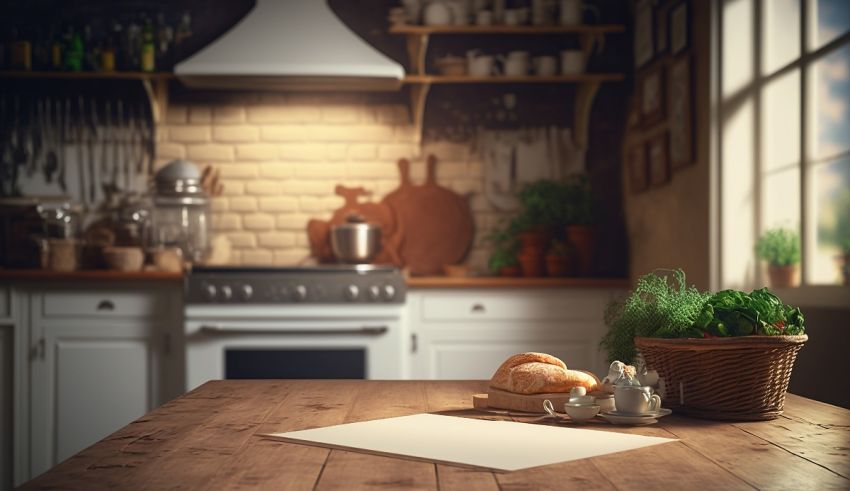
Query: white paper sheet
point(492, 445)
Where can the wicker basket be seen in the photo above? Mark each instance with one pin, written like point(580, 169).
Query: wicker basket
point(738, 378)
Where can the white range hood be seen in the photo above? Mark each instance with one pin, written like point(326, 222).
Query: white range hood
point(290, 45)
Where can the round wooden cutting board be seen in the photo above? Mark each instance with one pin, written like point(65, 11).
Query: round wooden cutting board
point(437, 222)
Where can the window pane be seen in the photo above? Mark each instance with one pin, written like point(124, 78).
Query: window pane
point(737, 49)
point(781, 33)
point(829, 215)
point(738, 190)
point(829, 19)
point(780, 198)
point(781, 122)
point(830, 95)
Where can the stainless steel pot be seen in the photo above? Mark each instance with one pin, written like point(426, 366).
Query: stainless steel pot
point(356, 242)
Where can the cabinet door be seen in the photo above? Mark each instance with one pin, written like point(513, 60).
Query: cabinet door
point(6, 408)
point(458, 353)
point(88, 380)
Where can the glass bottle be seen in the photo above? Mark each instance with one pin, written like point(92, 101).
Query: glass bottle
point(148, 53)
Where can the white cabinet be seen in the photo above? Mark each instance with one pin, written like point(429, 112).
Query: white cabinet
point(468, 333)
point(98, 359)
point(6, 406)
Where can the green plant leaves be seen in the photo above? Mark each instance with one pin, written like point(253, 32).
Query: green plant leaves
point(779, 247)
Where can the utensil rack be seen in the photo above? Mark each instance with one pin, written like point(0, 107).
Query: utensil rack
point(154, 83)
point(420, 82)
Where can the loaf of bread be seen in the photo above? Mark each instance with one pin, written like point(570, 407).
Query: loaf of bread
point(538, 373)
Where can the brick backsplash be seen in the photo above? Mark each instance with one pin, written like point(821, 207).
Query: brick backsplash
point(280, 157)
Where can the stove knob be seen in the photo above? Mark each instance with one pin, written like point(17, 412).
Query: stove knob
point(389, 292)
point(374, 292)
point(209, 292)
point(226, 292)
point(245, 292)
point(352, 292)
point(299, 293)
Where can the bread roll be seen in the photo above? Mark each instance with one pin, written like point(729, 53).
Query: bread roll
point(538, 373)
point(502, 375)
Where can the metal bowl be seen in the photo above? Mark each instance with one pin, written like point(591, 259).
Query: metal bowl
point(355, 243)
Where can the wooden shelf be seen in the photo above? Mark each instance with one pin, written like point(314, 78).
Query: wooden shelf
point(501, 29)
point(505, 282)
point(87, 75)
point(497, 79)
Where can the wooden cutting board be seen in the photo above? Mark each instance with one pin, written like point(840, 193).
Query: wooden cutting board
point(437, 222)
point(528, 403)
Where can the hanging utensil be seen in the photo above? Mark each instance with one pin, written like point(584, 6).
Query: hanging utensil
point(92, 139)
point(118, 135)
point(79, 135)
point(64, 131)
point(51, 132)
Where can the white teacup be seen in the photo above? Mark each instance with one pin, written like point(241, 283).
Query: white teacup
point(636, 400)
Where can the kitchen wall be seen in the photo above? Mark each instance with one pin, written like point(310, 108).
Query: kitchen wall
point(669, 226)
point(281, 155)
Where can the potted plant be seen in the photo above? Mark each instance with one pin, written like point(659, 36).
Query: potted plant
point(503, 260)
point(780, 247)
point(726, 355)
point(558, 259)
point(541, 209)
point(577, 213)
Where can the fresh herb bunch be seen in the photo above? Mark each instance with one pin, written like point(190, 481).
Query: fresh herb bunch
point(779, 247)
point(657, 307)
point(660, 308)
point(542, 202)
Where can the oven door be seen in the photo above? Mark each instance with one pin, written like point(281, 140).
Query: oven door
point(244, 343)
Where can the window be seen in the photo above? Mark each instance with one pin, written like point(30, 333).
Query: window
point(784, 130)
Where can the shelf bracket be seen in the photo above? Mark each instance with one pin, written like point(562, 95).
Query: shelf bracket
point(157, 92)
point(417, 46)
point(581, 119)
point(418, 99)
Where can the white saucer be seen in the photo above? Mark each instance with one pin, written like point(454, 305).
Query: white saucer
point(627, 420)
point(659, 414)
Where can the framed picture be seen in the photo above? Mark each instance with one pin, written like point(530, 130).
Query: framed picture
point(659, 168)
point(679, 28)
point(638, 175)
point(661, 23)
point(644, 49)
point(652, 96)
point(680, 118)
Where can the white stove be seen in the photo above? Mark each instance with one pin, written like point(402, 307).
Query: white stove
point(306, 323)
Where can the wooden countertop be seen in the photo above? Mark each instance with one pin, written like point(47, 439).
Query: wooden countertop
point(209, 439)
point(94, 274)
point(507, 282)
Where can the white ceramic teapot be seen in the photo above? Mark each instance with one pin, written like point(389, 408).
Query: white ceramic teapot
point(480, 65)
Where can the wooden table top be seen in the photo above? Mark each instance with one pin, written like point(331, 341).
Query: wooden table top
point(209, 439)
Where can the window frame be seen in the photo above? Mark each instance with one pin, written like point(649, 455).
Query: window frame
point(723, 106)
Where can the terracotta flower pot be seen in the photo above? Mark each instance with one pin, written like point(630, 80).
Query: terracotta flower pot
point(782, 276)
point(583, 241)
point(509, 271)
point(535, 239)
point(557, 266)
point(531, 263)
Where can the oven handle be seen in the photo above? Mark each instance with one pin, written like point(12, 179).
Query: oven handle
point(366, 330)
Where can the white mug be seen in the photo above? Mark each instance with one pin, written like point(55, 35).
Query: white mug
point(636, 400)
point(572, 62)
point(544, 66)
point(484, 17)
point(515, 64)
point(571, 12)
point(480, 65)
point(511, 17)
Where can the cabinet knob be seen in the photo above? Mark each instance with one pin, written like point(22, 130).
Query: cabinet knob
point(106, 305)
point(478, 308)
